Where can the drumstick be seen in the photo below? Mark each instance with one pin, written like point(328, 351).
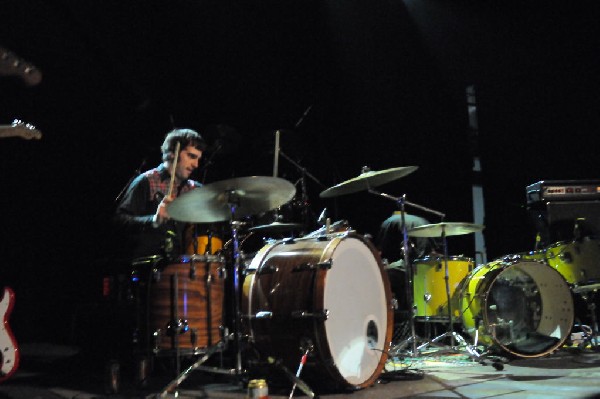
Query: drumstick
point(173, 170)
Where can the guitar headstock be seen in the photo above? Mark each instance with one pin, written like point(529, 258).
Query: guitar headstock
point(12, 65)
point(20, 129)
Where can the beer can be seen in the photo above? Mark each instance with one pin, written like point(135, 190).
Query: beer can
point(258, 389)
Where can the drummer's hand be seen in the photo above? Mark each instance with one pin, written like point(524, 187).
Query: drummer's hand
point(162, 215)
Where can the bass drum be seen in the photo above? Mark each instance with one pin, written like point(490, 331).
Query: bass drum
point(524, 308)
point(329, 293)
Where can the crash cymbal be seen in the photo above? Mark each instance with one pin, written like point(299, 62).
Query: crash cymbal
point(210, 203)
point(450, 229)
point(276, 227)
point(365, 180)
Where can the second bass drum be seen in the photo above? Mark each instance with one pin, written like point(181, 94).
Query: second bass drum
point(524, 308)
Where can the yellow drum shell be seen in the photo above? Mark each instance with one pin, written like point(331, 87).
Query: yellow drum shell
point(202, 245)
point(430, 297)
point(577, 261)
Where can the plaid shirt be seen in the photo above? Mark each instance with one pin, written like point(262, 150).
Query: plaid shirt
point(136, 211)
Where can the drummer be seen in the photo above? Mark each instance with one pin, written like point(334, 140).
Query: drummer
point(143, 208)
point(390, 240)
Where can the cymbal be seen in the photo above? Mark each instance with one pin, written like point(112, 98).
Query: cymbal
point(449, 228)
point(211, 203)
point(276, 227)
point(368, 179)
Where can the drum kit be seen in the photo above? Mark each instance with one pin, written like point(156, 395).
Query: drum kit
point(324, 300)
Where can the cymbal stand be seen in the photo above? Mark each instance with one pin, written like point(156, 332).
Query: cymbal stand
point(454, 336)
point(450, 333)
point(402, 202)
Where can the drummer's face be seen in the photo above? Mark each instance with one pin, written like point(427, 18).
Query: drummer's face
point(188, 161)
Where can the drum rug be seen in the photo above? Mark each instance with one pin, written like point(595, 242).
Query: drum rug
point(429, 361)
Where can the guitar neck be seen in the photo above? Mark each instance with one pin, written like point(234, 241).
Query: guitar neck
point(24, 131)
point(13, 65)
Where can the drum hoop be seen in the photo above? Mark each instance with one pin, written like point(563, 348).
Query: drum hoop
point(429, 258)
point(489, 282)
point(209, 258)
point(324, 351)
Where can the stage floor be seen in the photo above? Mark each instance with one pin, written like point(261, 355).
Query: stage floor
point(49, 371)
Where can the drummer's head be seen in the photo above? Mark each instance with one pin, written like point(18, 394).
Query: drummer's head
point(191, 146)
point(185, 137)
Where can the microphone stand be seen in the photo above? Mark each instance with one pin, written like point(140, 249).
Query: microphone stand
point(209, 161)
point(137, 172)
point(304, 192)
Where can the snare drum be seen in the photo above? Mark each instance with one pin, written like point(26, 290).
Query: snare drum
point(186, 304)
point(524, 308)
point(329, 292)
point(429, 281)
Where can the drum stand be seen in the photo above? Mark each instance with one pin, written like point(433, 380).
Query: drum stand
point(588, 293)
point(453, 335)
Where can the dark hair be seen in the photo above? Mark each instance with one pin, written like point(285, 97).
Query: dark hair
point(185, 137)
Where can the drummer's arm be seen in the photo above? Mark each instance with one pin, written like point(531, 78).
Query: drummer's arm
point(132, 212)
point(161, 215)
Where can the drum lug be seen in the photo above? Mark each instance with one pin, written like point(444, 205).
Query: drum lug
point(155, 275)
point(194, 337)
point(311, 266)
point(267, 269)
point(263, 314)
point(177, 327)
point(325, 265)
point(427, 297)
point(193, 270)
point(303, 314)
point(156, 338)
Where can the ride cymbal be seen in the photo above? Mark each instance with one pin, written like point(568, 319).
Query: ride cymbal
point(366, 180)
point(249, 196)
point(447, 228)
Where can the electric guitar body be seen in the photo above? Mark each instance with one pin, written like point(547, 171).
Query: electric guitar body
point(8, 345)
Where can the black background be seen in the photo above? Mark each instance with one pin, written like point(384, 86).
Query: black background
point(385, 82)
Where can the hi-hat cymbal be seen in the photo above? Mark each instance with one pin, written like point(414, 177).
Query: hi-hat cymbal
point(211, 203)
point(447, 228)
point(276, 227)
point(365, 180)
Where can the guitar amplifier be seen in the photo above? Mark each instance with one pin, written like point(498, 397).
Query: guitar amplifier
point(562, 190)
point(564, 209)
